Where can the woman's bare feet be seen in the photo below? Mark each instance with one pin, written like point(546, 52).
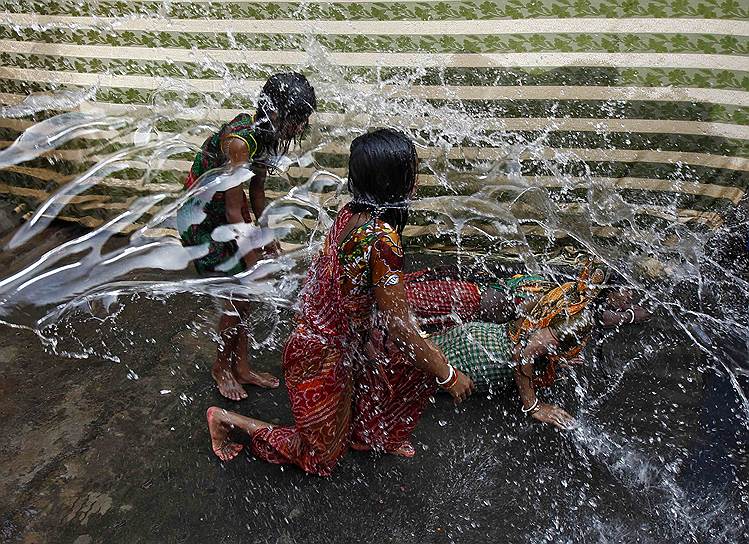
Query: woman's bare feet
point(404, 450)
point(227, 385)
point(221, 423)
point(224, 448)
point(359, 446)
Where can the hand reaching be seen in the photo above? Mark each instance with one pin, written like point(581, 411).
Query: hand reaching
point(462, 388)
point(553, 415)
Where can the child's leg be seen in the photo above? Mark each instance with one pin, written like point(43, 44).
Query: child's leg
point(222, 373)
point(222, 424)
point(243, 372)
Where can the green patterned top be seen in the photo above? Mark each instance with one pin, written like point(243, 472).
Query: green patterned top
point(482, 351)
point(212, 156)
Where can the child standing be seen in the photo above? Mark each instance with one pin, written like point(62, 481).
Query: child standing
point(285, 105)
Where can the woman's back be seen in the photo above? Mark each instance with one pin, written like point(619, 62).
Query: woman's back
point(337, 299)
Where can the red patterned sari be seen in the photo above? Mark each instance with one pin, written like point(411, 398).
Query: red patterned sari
point(338, 396)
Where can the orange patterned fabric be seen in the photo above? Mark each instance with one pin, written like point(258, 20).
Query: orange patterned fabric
point(568, 299)
point(336, 394)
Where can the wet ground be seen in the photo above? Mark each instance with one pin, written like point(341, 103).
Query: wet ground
point(93, 455)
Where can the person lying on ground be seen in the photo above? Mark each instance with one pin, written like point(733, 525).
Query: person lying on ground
point(443, 297)
point(528, 351)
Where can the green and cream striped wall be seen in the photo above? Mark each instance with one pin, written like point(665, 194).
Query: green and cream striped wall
point(651, 96)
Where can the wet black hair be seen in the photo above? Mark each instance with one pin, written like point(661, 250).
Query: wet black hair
point(571, 331)
point(291, 97)
point(382, 171)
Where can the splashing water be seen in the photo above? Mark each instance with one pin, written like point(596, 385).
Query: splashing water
point(475, 206)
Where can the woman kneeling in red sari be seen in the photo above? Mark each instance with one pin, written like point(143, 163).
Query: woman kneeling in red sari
point(340, 397)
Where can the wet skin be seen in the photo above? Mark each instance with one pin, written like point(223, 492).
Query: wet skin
point(231, 368)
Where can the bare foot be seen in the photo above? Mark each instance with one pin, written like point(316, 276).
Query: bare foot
point(228, 386)
point(404, 450)
point(261, 379)
point(359, 446)
point(242, 371)
point(219, 427)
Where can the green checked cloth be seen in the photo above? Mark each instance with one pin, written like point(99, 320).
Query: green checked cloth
point(480, 350)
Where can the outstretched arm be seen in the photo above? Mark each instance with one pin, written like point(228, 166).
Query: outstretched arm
point(393, 306)
point(541, 343)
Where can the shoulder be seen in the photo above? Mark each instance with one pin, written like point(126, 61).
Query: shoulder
point(242, 127)
point(387, 235)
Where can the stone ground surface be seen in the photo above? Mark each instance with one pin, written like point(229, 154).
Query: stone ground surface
point(90, 455)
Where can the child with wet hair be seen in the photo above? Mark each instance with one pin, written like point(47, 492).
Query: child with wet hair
point(548, 330)
point(286, 102)
point(342, 395)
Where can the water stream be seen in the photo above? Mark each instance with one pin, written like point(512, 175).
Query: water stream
point(479, 205)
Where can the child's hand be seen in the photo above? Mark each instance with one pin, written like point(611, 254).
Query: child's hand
point(577, 360)
point(462, 388)
point(553, 415)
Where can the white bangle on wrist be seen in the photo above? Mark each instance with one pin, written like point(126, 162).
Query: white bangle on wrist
point(450, 375)
point(630, 310)
point(530, 408)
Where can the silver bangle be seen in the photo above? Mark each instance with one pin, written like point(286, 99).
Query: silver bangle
point(450, 376)
point(633, 315)
point(531, 408)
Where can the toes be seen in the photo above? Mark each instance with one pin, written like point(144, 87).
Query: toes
point(234, 393)
point(406, 450)
point(228, 451)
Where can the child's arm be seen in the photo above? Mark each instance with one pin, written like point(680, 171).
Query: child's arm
point(393, 306)
point(541, 342)
point(257, 190)
point(237, 152)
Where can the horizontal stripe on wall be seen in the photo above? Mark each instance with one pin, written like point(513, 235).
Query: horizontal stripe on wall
point(173, 171)
point(441, 60)
point(466, 185)
point(456, 43)
point(218, 116)
point(492, 154)
point(131, 85)
point(502, 76)
point(578, 25)
point(553, 137)
point(112, 200)
point(387, 10)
